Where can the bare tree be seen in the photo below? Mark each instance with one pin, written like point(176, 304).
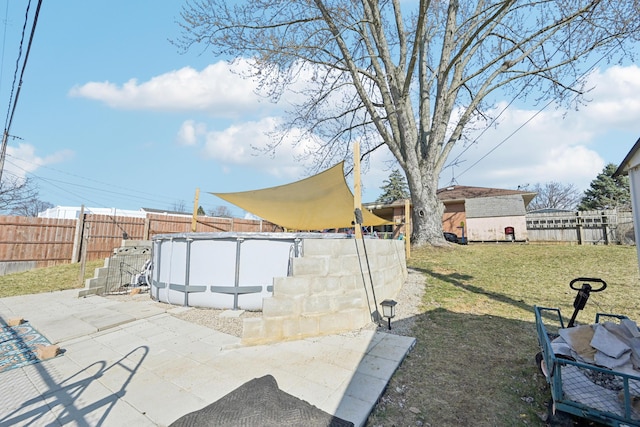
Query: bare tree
point(221, 211)
point(554, 195)
point(413, 80)
point(179, 206)
point(31, 207)
point(16, 192)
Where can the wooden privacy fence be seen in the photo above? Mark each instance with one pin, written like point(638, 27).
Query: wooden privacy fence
point(46, 241)
point(587, 227)
point(42, 242)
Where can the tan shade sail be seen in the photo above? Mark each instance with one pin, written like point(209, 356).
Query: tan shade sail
point(316, 203)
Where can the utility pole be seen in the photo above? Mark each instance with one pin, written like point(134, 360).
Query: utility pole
point(5, 135)
point(3, 151)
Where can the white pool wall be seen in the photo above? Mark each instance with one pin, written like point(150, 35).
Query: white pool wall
point(225, 270)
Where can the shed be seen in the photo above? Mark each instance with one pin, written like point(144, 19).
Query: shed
point(631, 166)
point(487, 214)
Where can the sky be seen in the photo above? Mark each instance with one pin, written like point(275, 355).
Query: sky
point(111, 114)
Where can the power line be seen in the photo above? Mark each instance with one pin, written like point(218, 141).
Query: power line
point(538, 112)
point(84, 179)
point(15, 72)
point(4, 41)
point(9, 120)
point(454, 162)
point(55, 183)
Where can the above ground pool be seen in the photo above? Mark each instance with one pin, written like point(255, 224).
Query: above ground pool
point(223, 270)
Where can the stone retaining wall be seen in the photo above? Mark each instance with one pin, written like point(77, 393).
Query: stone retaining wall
point(326, 292)
point(133, 252)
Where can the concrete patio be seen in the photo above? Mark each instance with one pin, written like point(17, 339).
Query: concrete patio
point(133, 363)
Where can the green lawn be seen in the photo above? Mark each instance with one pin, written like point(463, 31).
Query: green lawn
point(508, 279)
point(46, 279)
point(473, 363)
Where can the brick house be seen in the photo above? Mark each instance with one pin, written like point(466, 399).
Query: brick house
point(482, 214)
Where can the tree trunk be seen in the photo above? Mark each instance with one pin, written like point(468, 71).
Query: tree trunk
point(426, 212)
point(427, 220)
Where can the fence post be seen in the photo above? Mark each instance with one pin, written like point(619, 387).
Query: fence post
point(579, 228)
point(408, 225)
point(83, 257)
point(147, 227)
point(77, 239)
point(605, 229)
point(194, 218)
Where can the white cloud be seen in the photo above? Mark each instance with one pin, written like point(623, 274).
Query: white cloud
point(555, 144)
point(614, 100)
point(547, 148)
point(215, 90)
point(246, 144)
point(189, 132)
point(23, 159)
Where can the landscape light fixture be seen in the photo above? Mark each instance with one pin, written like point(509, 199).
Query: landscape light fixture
point(388, 309)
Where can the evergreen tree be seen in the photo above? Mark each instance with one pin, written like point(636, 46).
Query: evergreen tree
point(606, 192)
point(394, 188)
point(201, 211)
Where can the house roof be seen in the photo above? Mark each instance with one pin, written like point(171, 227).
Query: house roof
point(460, 193)
point(165, 212)
point(623, 169)
point(463, 192)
